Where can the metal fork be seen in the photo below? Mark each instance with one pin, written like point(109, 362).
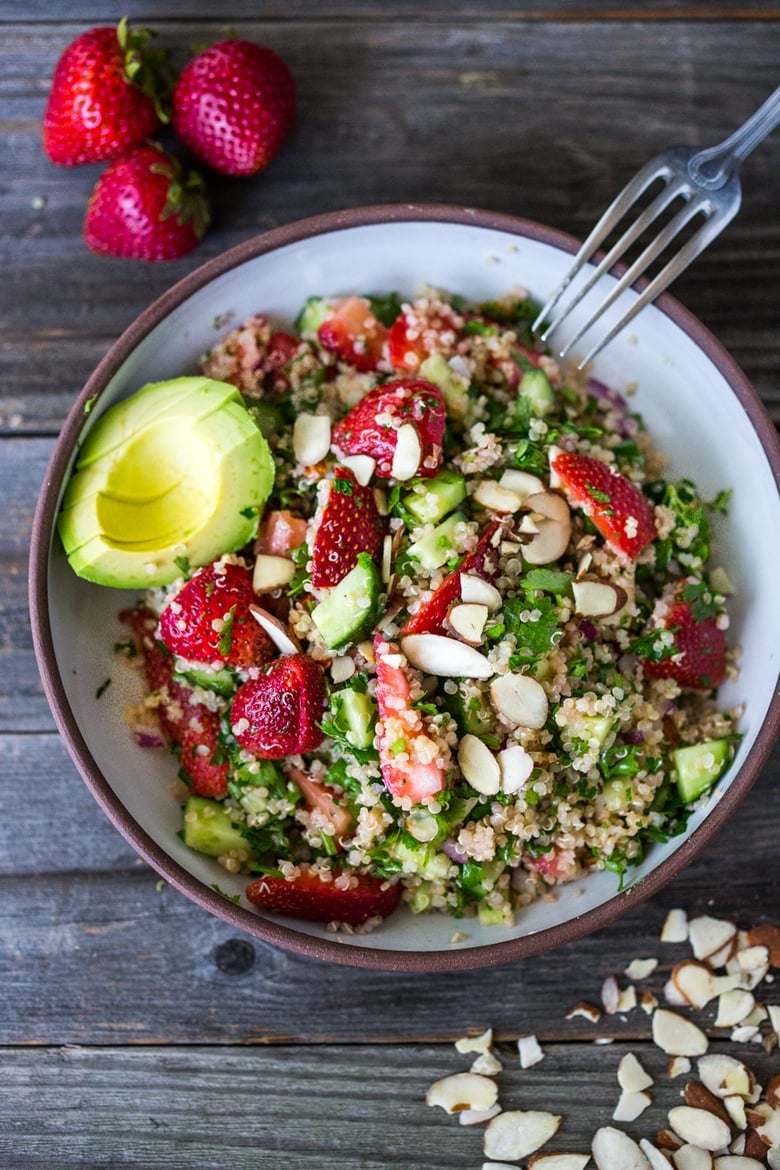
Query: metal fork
point(707, 181)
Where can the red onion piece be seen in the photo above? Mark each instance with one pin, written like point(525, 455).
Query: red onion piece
point(454, 852)
point(147, 737)
point(588, 630)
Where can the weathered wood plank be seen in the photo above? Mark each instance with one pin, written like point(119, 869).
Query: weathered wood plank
point(359, 1108)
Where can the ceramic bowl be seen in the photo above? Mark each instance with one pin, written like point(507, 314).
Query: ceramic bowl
point(697, 404)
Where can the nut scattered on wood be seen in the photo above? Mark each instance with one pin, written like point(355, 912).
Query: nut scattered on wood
point(698, 1127)
point(766, 935)
point(631, 1105)
point(708, 936)
point(632, 1078)
point(481, 1043)
point(516, 1134)
point(677, 1036)
point(698, 1096)
point(614, 1150)
point(463, 1091)
point(675, 927)
point(588, 1011)
point(529, 1050)
point(640, 968)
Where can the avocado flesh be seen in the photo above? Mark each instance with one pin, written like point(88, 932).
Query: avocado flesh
point(181, 484)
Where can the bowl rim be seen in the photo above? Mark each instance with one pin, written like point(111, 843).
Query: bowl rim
point(268, 930)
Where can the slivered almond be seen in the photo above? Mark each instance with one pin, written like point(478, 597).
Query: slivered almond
point(753, 958)
point(722, 957)
point(677, 1036)
point(271, 572)
point(479, 766)
point(698, 1127)
point(692, 1158)
point(597, 598)
point(614, 1150)
point(495, 498)
point(733, 1007)
point(648, 1002)
point(550, 505)
point(474, 589)
point(462, 1091)
point(631, 1076)
point(529, 1051)
point(467, 621)
point(407, 454)
point(478, 1116)
point(311, 438)
point(516, 768)
point(519, 699)
point(630, 1105)
point(518, 1133)
point(627, 999)
point(695, 982)
point(675, 927)
point(522, 483)
point(657, 1159)
point(724, 1075)
point(445, 657)
point(698, 1096)
point(277, 632)
point(708, 936)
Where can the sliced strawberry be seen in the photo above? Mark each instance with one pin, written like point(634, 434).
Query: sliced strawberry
point(319, 797)
point(200, 756)
point(348, 524)
point(175, 709)
point(699, 660)
point(308, 896)
point(354, 334)
point(420, 330)
point(209, 621)
point(282, 348)
point(482, 561)
point(280, 532)
point(405, 747)
point(371, 427)
point(621, 512)
point(277, 714)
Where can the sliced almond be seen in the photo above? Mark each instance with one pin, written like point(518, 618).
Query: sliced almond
point(657, 1160)
point(735, 1107)
point(753, 958)
point(407, 454)
point(773, 1158)
point(692, 1158)
point(491, 495)
point(630, 1105)
point(527, 526)
point(467, 621)
point(522, 483)
point(516, 768)
point(558, 1161)
point(738, 1144)
point(610, 995)
point(745, 1034)
point(597, 598)
point(632, 1078)
point(550, 505)
point(614, 1150)
point(479, 766)
point(271, 572)
point(695, 982)
point(362, 467)
point(529, 1050)
point(342, 668)
point(769, 1132)
point(677, 1036)
point(278, 633)
point(463, 1091)
point(723, 983)
point(772, 1090)
point(445, 657)
point(478, 1116)
point(588, 1010)
point(724, 1075)
point(698, 1096)
point(518, 1133)
point(479, 1043)
point(736, 1162)
point(487, 1065)
point(667, 1140)
point(549, 543)
point(679, 1066)
point(708, 936)
point(627, 999)
point(698, 1127)
point(649, 1002)
point(767, 935)
point(311, 438)
point(387, 558)
point(675, 927)
point(733, 1007)
point(673, 995)
point(519, 699)
point(640, 968)
point(722, 957)
point(476, 590)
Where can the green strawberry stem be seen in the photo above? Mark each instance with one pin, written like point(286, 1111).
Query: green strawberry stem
point(148, 70)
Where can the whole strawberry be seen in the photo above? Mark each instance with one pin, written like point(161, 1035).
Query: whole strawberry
point(105, 97)
point(233, 106)
point(143, 207)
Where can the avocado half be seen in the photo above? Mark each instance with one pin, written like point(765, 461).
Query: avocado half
point(179, 472)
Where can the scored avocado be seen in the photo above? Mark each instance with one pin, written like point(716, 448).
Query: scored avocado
point(178, 472)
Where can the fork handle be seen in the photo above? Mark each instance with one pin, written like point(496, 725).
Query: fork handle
point(712, 168)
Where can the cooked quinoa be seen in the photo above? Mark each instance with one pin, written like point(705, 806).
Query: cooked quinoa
point(600, 784)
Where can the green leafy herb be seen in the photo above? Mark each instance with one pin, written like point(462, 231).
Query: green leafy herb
point(234, 898)
point(226, 634)
point(652, 647)
point(385, 308)
point(702, 602)
point(183, 565)
point(535, 635)
point(548, 580)
point(127, 649)
point(103, 688)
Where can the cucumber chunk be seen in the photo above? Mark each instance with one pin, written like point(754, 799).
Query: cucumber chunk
point(209, 829)
point(435, 548)
point(474, 715)
point(197, 674)
point(453, 387)
point(352, 607)
point(430, 500)
point(699, 765)
point(314, 312)
point(355, 713)
point(537, 388)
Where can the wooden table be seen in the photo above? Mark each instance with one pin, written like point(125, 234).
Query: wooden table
point(137, 1030)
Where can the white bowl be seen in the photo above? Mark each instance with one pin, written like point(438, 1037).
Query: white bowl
point(696, 402)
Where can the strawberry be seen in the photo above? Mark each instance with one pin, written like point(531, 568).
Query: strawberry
point(354, 334)
point(233, 106)
point(699, 660)
point(143, 208)
point(348, 524)
point(618, 508)
point(482, 561)
point(371, 427)
point(308, 896)
point(404, 745)
point(280, 533)
point(323, 801)
point(103, 96)
point(199, 758)
point(209, 621)
point(175, 709)
point(420, 330)
point(278, 713)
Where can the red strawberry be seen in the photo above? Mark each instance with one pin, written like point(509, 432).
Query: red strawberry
point(404, 745)
point(482, 561)
point(699, 660)
point(371, 427)
point(280, 532)
point(354, 334)
point(102, 100)
point(618, 508)
point(348, 524)
point(209, 621)
point(233, 106)
point(277, 714)
point(142, 208)
point(199, 757)
point(322, 800)
point(175, 709)
point(307, 896)
point(420, 330)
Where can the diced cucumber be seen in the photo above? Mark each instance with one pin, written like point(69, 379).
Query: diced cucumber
point(474, 714)
point(617, 793)
point(537, 388)
point(699, 765)
point(355, 712)
point(268, 417)
point(435, 548)
point(421, 859)
point(209, 829)
point(453, 387)
point(420, 898)
point(598, 727)
point(496, 915)
point(314, 312)
point(351, 608)
point(198, 674)
point(430, 500)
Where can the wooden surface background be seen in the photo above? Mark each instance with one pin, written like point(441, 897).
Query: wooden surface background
point(135, 1030)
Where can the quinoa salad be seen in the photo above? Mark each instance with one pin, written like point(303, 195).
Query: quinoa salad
point(472, 651)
